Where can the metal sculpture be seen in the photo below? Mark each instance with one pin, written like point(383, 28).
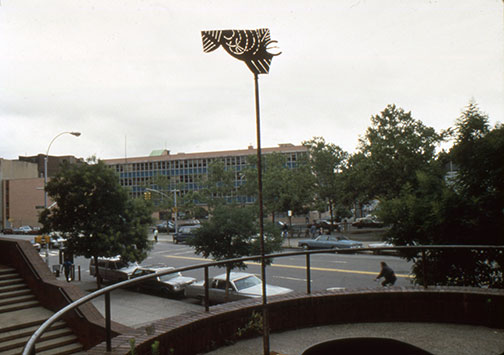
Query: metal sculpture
point(250, 46)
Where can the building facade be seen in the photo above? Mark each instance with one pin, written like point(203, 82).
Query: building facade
point(22, 188)
point(184, 171)
point(22, 181)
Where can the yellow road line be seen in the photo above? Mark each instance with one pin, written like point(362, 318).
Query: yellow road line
point(292, 266)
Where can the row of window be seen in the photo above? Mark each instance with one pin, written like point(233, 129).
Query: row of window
point(136, 176)
point(188, 164)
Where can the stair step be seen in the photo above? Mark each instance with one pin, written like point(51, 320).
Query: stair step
point(18, 306)
point(9, 275)
point(24, 318)
point(63, 350)
point(55, 343)
point(20, 342)
point(15, 293)
point(14, 281)
point(9, 288)
point(27, 331)
point(17, 299)
point(6, 270)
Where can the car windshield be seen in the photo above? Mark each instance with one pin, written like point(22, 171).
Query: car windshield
point(247, 282)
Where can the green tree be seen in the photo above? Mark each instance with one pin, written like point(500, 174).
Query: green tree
point(96, 215)
point(284, 188)
point(217, 186)
point(466, 210)
point(327, 161)
point(396, 147)
point(232, 232)
point(356, 183)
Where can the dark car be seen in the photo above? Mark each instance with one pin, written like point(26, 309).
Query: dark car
point(326, 224)
point(367, 222)
point(172, 284)
point(185, 233)
point(329, 242)
point(166, 227)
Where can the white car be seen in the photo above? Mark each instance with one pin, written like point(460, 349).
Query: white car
point(172, 284)
point(383, 245)
point(113, 269)
point(241, 285)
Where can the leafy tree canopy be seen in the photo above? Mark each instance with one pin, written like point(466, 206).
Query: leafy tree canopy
point(95, 213)
point(397, 146)
point(231, 232)
point(465, 210)
point(284, 188)
point(327, 161)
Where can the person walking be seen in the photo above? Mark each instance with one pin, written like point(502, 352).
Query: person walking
point(67, 265)
point(156, 234)
point(388, 275)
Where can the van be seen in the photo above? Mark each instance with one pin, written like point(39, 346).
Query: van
point(113, 269)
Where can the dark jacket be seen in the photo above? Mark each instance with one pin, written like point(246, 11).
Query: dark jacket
point(387, 273)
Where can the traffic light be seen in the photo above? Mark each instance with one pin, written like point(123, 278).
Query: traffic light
point(147, 195)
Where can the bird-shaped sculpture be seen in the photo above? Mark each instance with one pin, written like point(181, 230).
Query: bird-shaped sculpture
point(251, 46)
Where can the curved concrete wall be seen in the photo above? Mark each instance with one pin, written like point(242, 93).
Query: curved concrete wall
point(198, 332)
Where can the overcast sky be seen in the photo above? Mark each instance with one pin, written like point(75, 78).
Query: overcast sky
point(131, 75)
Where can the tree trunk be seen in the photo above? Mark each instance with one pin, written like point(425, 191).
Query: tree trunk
point(97, 273)
point(228, 284)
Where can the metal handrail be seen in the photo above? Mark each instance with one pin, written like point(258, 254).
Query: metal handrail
point(30, 345)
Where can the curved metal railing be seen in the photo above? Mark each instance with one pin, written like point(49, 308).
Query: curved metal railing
point(30, 345)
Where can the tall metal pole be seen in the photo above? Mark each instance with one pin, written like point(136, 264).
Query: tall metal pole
point(176, 211)
point(261, 220)
point(46, 157)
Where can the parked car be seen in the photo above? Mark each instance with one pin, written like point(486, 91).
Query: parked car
point(56, 240)
point(23, 230)
point(367, 222)
point(185, 233)
point(329, 242)
point(166, 227)
point(327, 225)
point(169, 284)
point(241, 285)
point(113, 269)
point(383, 245)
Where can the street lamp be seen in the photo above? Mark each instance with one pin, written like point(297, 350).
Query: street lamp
point(175, 202)
point(250, 46)
point(46, 157)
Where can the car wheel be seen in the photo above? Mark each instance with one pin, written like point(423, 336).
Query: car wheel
point(306, 247)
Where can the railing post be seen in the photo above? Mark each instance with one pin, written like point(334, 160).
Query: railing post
point(308, 277)
point(107, 322)
point(424, 269)
point(207, 303)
